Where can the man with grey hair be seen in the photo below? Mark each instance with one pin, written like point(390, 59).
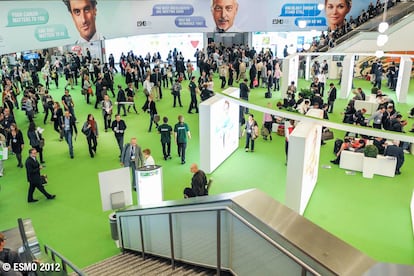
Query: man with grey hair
point(84, 16)
point(224, 12)
point(396, 151)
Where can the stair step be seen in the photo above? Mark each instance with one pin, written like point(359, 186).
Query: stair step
point(132, 264)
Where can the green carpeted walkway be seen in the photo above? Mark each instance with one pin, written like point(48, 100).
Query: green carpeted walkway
point(371, 214)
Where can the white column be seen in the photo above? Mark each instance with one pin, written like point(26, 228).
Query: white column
point(347, 76)
point(308, 66)
point(290, 72)
point(403, 82)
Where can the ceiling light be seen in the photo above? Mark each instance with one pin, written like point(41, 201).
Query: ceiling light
point(383, 26)
point(379, 53)
point(382, 40)
point(302, 24)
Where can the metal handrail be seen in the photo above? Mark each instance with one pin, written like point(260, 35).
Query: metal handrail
point(244, 221)
point(65, 262)
point(273, 243)
point(27, 252)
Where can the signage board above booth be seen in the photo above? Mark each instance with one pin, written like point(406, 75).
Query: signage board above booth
point(46, 24)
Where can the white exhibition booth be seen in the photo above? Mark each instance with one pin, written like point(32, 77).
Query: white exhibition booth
point(303, 162)
point(291, 69)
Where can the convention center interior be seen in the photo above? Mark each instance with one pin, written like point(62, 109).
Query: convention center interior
point(207, 137)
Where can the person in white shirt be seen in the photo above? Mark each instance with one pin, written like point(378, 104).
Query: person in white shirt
point(322, 80)
point(148, 159)
point(148, 85)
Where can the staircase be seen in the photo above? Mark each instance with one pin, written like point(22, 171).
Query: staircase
point(130, 264)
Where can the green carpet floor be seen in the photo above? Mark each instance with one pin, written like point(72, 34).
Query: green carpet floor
point(371, 214)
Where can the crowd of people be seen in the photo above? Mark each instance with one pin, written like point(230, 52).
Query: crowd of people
point(95, 81)
point(239, 65)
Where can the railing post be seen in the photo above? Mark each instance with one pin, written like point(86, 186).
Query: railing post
point(53, 256)
point(142, 237)
point(64, 266)
point(171, 240)
point(46, 250)
point(121, 240)
point(303, 271)
point(218, 242)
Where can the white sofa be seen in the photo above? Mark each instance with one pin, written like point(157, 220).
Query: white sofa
point(356, 161)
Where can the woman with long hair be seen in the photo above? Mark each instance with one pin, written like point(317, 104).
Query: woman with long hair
point(15, 143)
point(90, 129)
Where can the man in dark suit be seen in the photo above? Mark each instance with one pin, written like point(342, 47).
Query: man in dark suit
point(244, 93)
point(396, 151)
point(118, 127)
point(331, 97)
point(156, 79)
point(132, 157)
point(33, 177)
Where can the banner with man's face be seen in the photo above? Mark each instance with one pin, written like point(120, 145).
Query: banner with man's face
point(26, 25)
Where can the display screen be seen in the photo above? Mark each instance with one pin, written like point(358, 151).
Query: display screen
point(224, 130)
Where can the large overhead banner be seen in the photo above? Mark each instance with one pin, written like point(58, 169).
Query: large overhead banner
point(26, 25)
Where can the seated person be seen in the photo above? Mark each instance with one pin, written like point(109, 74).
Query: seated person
point(205, 92)
point(411, 113)
point(304, 106)
point(357, 145)
point(358, 96)
point(289, 101)
point(317, 99)
point(351, 144)
point(198, 183)
point(358, 117)
point(380, 144)
point(349, 112)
